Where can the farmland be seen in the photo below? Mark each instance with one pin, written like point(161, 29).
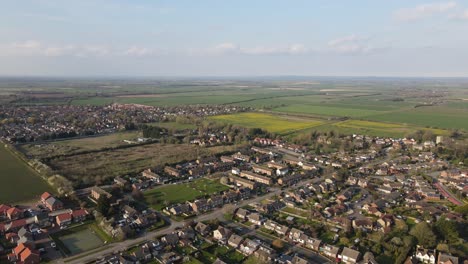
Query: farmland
point(269, 122)
point(90, 168)
point(179, 193)
point(14, 172)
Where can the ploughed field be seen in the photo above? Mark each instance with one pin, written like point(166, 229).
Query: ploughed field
point(18, 182)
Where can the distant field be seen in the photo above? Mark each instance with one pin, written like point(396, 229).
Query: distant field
point(431, 116)
point(174, 125)
point(15, 173)
point(327, 110)
point(71, 146)
point(269, 122)
point(182, 192)
point(378, 127)
point(98, 166)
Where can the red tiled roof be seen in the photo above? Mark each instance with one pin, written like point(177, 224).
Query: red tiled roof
point(79, 213)
point(10, 235)
point(17, 250)
point(64, 217)
point(13, 210)
point(17, 223)
point(45, 195)
point(30, 255)
point(4, 208)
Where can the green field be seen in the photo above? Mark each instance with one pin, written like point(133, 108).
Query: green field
point(27, 185)
point(327, 110)
point(269, 122)
point(180, 193)
point(174, 125)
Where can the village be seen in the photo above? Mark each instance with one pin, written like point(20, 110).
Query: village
point(273, 202)
point(38, 123)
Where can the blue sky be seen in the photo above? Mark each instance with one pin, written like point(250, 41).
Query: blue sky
point(234, 38)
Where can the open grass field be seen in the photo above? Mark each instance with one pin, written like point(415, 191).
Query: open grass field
point(79, 239)
point(172, 194)
point(95, 167)
point(272, 123)
point(71, 146)
point(14, 172)
point(326, 110)
point(174, 125)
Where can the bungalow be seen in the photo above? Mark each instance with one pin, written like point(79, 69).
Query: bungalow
point(235, 241)
point(295, 234)
point(265, 254)
point(350, 255)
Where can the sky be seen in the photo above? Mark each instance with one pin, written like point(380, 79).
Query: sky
point(151, 38)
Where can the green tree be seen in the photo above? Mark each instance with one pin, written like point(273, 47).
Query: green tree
point(103, 205)
point(447, 230)
point(424, 234)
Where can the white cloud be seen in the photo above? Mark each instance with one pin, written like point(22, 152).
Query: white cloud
point(139, 51)
point(460, 16)
point(232, 48)
point(37, 48)
point(424, 10)
point(351, 44)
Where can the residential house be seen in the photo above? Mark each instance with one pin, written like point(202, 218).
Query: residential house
point(24, 253)
point(79, 215)
point(262, 169)
point(203, 229)
point(330, 251)
point(241, 214)
point(120, 181)
point(235, 241)
point(63, 219)
point(314, 243)
point(3, 210)
point(446, 259)
point(349, 255)
point(243, 182)
point(53, 204)
point(248, 246)
point(200, 206)
point(172, 171)
point(425, 255)
point(289, 179)
point(171, 239)
point(256, 177)
point(222, 234)
point(14, 213)
point(255, 218)
point(97, 192)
